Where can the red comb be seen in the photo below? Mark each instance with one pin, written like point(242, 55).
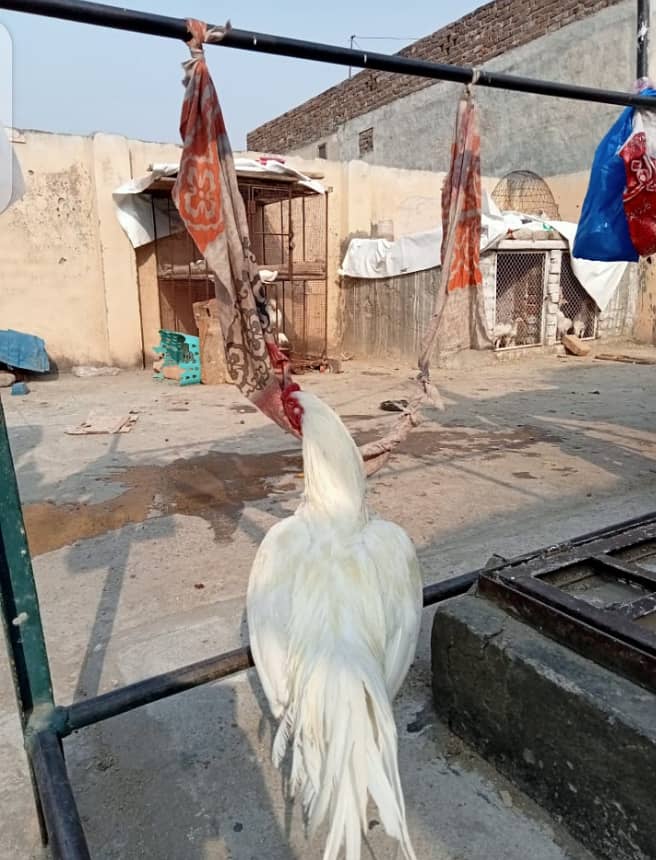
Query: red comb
point(293, 409)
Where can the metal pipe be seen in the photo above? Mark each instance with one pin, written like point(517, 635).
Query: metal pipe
point(141, 693)
point(116, 702)
point(99, 708)
point(117, 18)
point(65, 834)
point(642, 59)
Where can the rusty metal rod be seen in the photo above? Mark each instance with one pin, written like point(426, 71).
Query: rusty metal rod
point(117, 18)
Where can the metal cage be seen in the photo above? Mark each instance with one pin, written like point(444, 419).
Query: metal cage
point(288, 227)
point(525, 191)
point(575, 303)
point(520, 289)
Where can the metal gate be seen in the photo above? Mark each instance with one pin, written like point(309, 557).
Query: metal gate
point(288, 226)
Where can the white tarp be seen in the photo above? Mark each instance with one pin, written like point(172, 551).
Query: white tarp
point(12, 184)
point(134, 209)
point(272, 165)
point(381, 258)
point(599, 280)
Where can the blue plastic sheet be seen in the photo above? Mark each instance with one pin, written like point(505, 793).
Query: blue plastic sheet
point(23, 351)
point(603, 231)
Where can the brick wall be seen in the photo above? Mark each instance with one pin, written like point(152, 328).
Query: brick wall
point(488, 32)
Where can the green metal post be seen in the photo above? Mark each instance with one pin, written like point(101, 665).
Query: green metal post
point(18, 598)
point(19, 607)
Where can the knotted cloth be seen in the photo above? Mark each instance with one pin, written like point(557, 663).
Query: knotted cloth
point(209, 202)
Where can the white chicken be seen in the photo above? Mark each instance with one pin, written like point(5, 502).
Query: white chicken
point(276, 319)
point(334, 609)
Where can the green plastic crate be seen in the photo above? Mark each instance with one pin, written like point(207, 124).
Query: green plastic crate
point(181, 350)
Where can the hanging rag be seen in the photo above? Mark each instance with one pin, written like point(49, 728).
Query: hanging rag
point(209, 202)
point(207, 196)
point(458, 320)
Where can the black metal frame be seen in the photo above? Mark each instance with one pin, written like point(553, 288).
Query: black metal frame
point(45, 724)
point(609, 635)
point(117, 18)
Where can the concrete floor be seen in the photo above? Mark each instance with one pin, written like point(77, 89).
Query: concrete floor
point(143, 544)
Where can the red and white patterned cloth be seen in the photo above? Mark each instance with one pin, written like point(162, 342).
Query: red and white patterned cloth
point(210, 204)
point(640, 193)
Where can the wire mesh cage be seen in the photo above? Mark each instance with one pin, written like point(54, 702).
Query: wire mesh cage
point(576, 305)
point(525, 191)
point(520, 285)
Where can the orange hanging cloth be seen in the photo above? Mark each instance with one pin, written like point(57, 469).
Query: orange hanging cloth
point(458, 320)
point(210, 204)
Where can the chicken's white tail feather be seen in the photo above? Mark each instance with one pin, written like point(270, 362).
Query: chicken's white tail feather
point(341, 725)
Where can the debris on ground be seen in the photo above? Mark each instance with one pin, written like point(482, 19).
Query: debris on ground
point(628, 359)
point(394, 405)
point(174, 372)
point(96, 424)
point(506, 798)
point(6, 379)
point(20, 388)
point(575, 346)
point(84, 370)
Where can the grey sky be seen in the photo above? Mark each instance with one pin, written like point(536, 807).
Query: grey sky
point(75, 78)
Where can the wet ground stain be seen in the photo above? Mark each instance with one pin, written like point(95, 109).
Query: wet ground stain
point(440, 443)
point(215, 486)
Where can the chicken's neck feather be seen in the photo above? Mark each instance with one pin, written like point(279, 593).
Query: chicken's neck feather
point(335, 483)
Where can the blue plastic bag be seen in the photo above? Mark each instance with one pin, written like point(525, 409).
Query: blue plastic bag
point(603, 232)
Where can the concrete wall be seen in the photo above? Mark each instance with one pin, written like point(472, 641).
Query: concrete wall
point(493, 30)
point(518, 131)
point(69, 274)
point(67, 270)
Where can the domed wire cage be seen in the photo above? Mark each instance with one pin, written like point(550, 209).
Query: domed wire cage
point(526, 192)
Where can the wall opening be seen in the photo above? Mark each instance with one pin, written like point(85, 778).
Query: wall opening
point(366, 141)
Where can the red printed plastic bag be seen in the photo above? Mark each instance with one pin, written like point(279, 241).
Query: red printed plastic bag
point(639, 198)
